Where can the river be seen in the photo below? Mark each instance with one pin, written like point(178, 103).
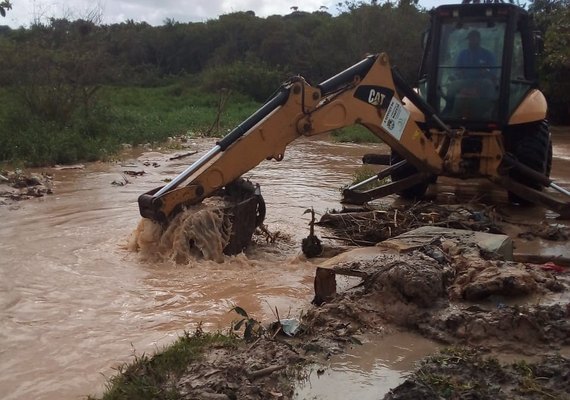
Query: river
point(74, 304)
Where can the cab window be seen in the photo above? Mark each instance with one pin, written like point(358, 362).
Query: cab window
point(469, 70)
point(519, 83)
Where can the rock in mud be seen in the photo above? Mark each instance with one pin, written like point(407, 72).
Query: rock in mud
point(396, 289)
point(491, 243)
point(415, 279)
point(477, 279)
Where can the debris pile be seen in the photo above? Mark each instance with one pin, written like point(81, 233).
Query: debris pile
point(431, 289)
point(17, 186)
point(370, 226)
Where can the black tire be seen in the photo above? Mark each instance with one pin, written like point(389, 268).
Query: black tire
point(531, 145)
point(414, 192)
point(549, 159)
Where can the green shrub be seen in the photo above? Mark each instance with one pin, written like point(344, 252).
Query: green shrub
point(36, 141)
point(254, 79)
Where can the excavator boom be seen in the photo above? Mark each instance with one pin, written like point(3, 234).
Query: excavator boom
point(363, 94)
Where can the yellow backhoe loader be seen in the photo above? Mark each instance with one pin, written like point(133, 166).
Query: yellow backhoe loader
point(476, 113)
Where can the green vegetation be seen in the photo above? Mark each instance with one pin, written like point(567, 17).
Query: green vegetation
point(131, 115)
point(553, 19)
point(361, 174)
point(355, 134)
point(435, 372)
point(154, 377)
point(153, 114)
point(74, 90)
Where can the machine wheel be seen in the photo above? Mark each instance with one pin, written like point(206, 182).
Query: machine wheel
point(549, 159)
point(531, 145)
point(414, 192)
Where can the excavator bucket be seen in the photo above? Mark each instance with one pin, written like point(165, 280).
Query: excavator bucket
point(229, 217)
point(246, 212)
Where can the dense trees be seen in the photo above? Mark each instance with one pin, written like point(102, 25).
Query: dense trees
point(315, 44)
point(553, 19)
point(57, 67)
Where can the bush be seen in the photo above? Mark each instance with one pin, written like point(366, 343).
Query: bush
point(37, 141)
point(256, 80)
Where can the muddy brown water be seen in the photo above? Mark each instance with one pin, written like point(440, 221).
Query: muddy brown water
point(74, 304)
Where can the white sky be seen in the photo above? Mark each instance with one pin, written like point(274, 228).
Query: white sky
point(156, 11)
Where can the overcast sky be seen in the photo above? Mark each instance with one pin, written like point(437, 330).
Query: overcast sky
point(156, 11)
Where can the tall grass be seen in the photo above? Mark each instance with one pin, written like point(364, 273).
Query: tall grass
point(152, 377)
point(125, 114)
point(153, 114)
point(131, 115)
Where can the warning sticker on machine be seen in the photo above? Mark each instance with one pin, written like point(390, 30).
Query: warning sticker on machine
point(396, 118)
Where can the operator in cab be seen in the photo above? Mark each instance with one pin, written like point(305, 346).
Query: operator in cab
point(474, 62)
point(474, 91)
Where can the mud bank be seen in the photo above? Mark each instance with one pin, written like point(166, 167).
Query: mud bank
point(211, 366)
point(417, 293)
point(461, 373)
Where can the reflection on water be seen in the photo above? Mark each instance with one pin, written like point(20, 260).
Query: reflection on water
point(370, 370)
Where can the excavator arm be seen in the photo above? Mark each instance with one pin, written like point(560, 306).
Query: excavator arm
point(364, 94)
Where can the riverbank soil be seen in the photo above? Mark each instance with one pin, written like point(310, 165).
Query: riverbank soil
point(461, 373)
point(211, 366)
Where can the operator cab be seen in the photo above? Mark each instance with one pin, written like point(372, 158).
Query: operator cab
point(478, 63)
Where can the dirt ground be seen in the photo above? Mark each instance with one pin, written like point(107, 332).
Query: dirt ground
point(260, 370)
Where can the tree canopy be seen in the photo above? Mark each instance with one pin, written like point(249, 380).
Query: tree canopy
point(247, 52)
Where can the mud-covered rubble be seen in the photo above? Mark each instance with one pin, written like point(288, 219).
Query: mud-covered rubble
point(511, 328)
point(477, 279)
point(460, 373)
point(436, 295)
point(556, 233)
point(17, 186)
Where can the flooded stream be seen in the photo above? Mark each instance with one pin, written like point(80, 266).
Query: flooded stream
point(74, 304)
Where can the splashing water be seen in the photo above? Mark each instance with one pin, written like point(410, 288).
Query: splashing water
point(201, 231)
